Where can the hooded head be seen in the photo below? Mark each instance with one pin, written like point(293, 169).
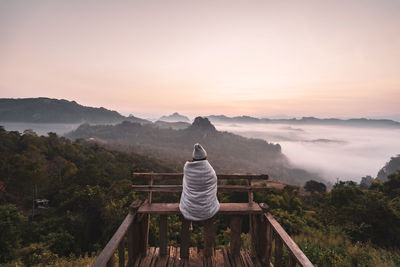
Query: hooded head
point(199, 153)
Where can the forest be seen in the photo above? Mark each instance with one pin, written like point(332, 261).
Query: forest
point(89, 190)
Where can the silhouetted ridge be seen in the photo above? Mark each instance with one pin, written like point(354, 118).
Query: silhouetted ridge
point(203, 124)
point(175, 117)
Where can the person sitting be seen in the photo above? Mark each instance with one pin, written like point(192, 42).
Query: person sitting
point(199, 200)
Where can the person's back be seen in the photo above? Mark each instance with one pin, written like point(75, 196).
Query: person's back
point(199, 194)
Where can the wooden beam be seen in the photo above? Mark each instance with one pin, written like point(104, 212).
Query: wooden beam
point(289, 243)
point(225, 208)
point(112, 245)
point(221, 188)
point(174, 176)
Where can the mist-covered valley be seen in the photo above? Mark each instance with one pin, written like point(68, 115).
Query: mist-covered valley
point(343, 152)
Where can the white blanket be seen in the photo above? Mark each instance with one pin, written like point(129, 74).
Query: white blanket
point(199, 194)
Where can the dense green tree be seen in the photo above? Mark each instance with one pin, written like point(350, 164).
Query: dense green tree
point(11, 225)
point(313, 186)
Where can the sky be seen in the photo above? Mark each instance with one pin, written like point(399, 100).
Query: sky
point(258, 58)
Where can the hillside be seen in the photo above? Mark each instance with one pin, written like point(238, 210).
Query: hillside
point(392, 166)
point(88, 188)
point(47, 110)
point(227, 152)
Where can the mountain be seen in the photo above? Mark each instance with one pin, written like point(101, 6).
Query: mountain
point(227, 152)
point(360, 122)
point(175, 117)
point(390, 167)
point(47, 110)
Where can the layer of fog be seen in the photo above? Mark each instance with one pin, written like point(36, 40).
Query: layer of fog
point(347, 153)
point(40, 128)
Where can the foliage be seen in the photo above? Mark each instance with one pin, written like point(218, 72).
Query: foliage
point(315, 187)
point(88, 188)
point(11, 225)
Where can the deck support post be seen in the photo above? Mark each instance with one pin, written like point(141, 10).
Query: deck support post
point(163, 235)
point(135, 234)
point(278, 251)
point(208, 236)
point(185, 239)
point(236, 230)
point(121, 254)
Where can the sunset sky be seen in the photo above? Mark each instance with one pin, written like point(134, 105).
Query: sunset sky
point(259, 58)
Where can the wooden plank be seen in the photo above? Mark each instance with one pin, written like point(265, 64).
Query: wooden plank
point(243, 258)
point(155, 257)
point(219, 258)
point(221, 188)
point(195, 260)
point(289, 243)
point(112, 245)
point(163, 235)
point(185, 239)
point(225, 254)
point(225, 208)
point(174, 176)
point(178, 260)
point(278, 252)
point(208, 237)
point(162, 260)
point(172, 256)
point(248, 259)
point(236, 231)
point(149, 257)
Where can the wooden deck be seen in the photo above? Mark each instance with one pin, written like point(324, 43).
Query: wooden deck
point(222, 258)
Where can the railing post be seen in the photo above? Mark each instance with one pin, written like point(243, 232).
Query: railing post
point(121, 254)
point(134, 234)
point(261, 233)
point(252, 222)
point(208, 236)
point(163, 235)
point(278, 251)
point(236, 230)
point(292, 260)
point(185, 238)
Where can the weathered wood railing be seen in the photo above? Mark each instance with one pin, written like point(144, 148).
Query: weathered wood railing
point(265, 231)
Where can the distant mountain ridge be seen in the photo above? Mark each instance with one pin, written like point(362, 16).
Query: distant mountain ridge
point(362, 122)
point(175, 117)
point(48, 110)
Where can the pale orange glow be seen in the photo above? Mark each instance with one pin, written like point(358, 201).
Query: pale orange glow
point(314, 58)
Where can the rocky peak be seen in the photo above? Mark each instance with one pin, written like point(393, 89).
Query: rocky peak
point(202, 124)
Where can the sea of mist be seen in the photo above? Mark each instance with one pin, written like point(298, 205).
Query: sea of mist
point(347, 153)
